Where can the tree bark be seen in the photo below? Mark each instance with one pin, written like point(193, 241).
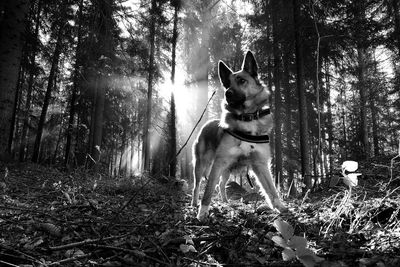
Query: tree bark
point(304, 136)
point(105, 46)
point(172, 129)
point(74, 86)
point(277, 93)
point(32, 60)
point(362, 87)
point(329, 115)
point(50, 85)
point(147, 124)
point(12, 29)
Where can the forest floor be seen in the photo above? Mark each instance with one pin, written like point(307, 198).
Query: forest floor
point(50, 217)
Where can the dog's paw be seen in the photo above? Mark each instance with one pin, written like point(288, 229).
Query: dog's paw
point(203, 213)
point(278, 205)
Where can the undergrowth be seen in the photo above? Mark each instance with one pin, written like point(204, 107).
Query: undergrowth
point(50, 217)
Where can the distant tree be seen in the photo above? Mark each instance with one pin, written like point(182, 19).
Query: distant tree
point(146, 134)
point(105, 47)
point(12, 28)
point(304, 137)
point(60, 26)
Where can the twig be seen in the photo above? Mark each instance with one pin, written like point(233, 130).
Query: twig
point(136, 253)
point(86, 242)
point(27, 256)
point(8, 264)
point(71, 259)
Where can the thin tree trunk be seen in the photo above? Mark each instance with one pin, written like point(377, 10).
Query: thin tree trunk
point(330, 121)
point(74, 86)
point(362, 87)
point(32, 60)
point(172, 130)
point(304, 137)
point(17, 107)
point(374, 115)
point(277, 93)
point(50, 85)
point(288, 123)
point(12, 29)
point(147, 124)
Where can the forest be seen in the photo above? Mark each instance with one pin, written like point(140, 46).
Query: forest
point(101, 101)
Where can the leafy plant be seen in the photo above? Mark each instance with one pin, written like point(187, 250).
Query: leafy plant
point(294, 246)
point(188, 246)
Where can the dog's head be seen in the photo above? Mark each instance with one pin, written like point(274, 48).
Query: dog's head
point(243, 90)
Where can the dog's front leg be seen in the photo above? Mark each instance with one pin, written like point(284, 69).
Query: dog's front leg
point(219, 166)
point(260, 167)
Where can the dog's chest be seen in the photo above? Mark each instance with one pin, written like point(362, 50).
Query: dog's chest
point(245, 149)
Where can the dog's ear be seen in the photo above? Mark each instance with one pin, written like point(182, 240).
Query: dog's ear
point(224, 72)
point(250, 64)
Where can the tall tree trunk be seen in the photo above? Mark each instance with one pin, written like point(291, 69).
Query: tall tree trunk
point(374, 113)
point(32, 60)
point(362, 87)
point(12, 29)
point(74, 86)
point(105, 47)
point(277, 93)
point(172, 129)
point(147, 124)
point(304, 136)
point(288, 122)
point(330, 121)
point(50, 85)
point(344, 126)
point(16, 108)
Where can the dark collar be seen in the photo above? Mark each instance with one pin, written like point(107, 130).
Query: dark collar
point(252, 116)
point(258, 139)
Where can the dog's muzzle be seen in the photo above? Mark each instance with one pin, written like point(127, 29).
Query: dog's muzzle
point(234, 98)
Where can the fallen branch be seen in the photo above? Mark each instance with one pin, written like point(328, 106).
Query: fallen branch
point(71, 259)
point(86, 242)
point(136, 253)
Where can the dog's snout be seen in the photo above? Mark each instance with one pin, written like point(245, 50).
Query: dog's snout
point(234, 98)
point(229, 94)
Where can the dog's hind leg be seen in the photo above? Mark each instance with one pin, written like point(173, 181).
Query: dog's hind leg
point(222, 183)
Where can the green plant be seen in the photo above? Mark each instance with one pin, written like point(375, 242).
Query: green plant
point(294, 246)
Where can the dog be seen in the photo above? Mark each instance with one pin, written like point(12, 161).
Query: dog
point(240, 136)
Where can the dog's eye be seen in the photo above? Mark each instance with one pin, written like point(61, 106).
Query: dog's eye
point(240, 80)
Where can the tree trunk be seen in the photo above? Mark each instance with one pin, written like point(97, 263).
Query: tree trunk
point(50, 85)
point(105, 47)
point(32, 60)
point(147, 124)
point(172, 129)
point(362, 87)
point(16, 108)
point(74, 86)
point(288, 123)
point(329, 115)
point(304, 138)
point(12, 29)
point(277, 93)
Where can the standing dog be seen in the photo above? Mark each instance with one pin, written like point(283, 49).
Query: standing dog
point(240, 136)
